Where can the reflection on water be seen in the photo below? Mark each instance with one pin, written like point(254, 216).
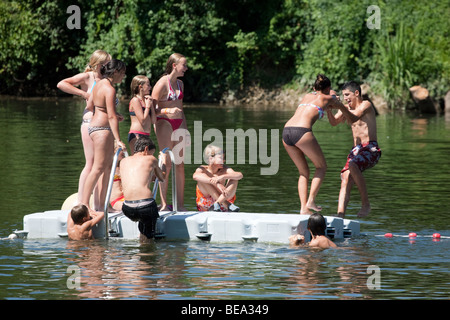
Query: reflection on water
point(191, 270)
point(40, 168)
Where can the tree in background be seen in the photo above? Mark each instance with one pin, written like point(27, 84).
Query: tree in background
point(231, 45)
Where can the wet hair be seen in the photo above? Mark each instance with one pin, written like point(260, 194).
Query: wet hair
point(98, 58)
point(317, 224)
point(174, 58)
point(352, 86)
point(143, 142)
point(322, 82)
point(79, 212)
point(136, 82)
point(112, 66)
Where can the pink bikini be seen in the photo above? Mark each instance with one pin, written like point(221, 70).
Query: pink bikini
point(171, 96)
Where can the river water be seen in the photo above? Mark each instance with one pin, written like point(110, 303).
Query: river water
point(409, 189)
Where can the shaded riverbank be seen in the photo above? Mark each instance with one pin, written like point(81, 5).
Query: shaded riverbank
point(289, 97)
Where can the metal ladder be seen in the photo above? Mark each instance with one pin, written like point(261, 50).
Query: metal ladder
point(155, 186)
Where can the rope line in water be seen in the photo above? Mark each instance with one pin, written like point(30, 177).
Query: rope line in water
point(413, 235)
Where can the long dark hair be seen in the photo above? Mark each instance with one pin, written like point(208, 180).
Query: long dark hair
point(322, 82)
point(112, 66)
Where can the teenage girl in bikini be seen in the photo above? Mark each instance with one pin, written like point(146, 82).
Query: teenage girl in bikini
point(168, 95)
point(142, 111)
point(86, 80)
point(104, 127)
point(299, 140)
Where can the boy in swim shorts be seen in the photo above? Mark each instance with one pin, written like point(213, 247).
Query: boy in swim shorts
point(136, 173)
point(360, 114)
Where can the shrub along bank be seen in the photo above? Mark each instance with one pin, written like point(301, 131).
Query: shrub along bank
point(233, 46)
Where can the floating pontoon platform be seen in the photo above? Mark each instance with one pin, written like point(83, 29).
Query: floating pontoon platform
point(194, 226)
point(189, 225)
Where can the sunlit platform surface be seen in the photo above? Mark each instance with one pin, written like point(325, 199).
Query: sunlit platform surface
point(194, 226)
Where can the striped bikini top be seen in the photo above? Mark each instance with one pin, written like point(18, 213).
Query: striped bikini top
point(313, 105)
point(319, 109)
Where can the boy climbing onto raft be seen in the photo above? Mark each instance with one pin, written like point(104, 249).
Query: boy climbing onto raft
point(137, 173)
point(216, 183)
point(360, 114)
point(80, 222)
point(317, 227)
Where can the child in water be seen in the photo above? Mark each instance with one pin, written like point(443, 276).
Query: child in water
point(80, 222)
point(317, 227)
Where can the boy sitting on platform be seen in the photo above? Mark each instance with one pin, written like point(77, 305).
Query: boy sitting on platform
point(80, 222)
point(216, 183)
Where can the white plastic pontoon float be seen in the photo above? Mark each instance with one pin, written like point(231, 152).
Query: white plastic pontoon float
point(189, 225)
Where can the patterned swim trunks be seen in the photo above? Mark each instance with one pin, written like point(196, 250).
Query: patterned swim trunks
point(205, 202)
point(365, 156)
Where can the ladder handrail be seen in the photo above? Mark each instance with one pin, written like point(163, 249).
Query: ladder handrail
point(174, 185)
point(155, 187)
point(110, 184)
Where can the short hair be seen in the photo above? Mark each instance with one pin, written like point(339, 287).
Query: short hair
point(317, 224)
point(322, 82)
point(79, 212)
point(211, 151)
point(143, 142)
point(352, 86)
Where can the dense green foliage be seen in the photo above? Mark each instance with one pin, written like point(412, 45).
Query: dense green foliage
point(231, 45)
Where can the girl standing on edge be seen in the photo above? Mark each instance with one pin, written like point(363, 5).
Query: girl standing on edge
point(86, 80)
point(104, 127)
point(168, 95)
point(299, 140)
point(142, 111)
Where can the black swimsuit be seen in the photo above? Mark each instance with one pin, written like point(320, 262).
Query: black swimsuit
point(292, 135)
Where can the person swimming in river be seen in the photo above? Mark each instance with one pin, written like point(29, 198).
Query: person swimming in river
point(80, 222)
point(317, 226)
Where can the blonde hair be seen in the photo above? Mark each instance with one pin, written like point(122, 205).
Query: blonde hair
point(211, 151)
point(136, 82)
point(98, 58)
point(174, 58)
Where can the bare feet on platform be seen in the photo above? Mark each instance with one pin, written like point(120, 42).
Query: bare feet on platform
point(340, 215)
point(313, 206)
